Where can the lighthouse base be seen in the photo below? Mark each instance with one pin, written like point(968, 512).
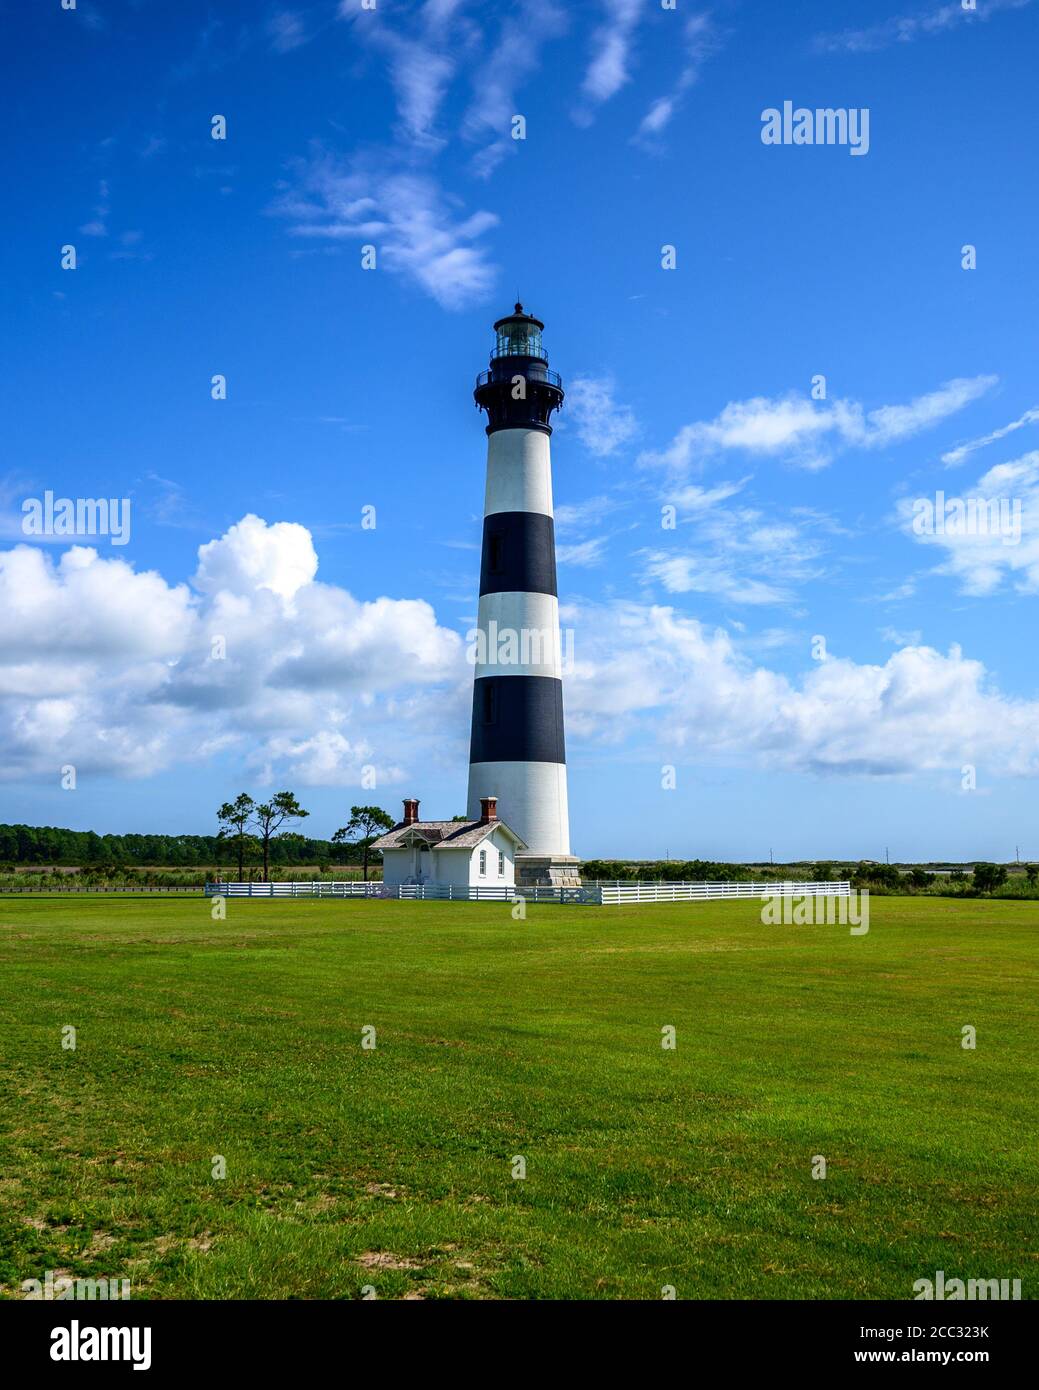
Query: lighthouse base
point(547, 871)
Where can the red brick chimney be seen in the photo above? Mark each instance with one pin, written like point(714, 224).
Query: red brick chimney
point(488, 809)
point(410, 810)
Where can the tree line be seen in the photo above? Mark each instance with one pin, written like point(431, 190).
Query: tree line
point(254, 832)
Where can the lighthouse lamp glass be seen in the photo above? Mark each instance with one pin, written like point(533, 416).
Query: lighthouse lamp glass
point(518, 339)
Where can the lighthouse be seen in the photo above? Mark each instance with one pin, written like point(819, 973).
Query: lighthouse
point(517, 747)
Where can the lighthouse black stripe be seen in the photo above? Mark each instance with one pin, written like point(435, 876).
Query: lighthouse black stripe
point(519, 554)
point(517, 719)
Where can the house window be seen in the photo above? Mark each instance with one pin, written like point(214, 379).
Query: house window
point(483, 863)
point(501, 863)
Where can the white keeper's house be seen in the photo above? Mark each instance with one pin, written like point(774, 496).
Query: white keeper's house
point(456, 853)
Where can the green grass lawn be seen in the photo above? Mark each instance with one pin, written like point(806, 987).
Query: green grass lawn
point(393, 1167)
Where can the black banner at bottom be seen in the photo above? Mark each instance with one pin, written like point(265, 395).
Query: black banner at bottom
point(169, 1338)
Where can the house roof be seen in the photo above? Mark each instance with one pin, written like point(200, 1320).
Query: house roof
point(443, 834)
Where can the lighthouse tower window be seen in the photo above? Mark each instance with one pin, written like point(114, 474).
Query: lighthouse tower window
point(490, 702)
point(496, 547)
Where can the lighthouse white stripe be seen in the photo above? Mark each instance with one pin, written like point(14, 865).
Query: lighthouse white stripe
point(532, 801)
point(517, 629)
point(519, 472)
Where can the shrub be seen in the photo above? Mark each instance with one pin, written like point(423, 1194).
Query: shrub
point(989, 877)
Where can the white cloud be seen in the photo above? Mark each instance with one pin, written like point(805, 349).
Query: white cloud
point(578, 516)
point(514, 57)
point(253, 555)
point(609, 67)
point(694, 498)
point(286, 31)
point(957, 455)
point(902, 29)
point(983, 560)
point(808, 432)
point(583, 553)
point(648, 671)
point(603, 425)
point(740, 556)
point(98, 224)
point(700, 42)
point(404, 215)
point(897, 638)
point(113, 671)
point(422, 51)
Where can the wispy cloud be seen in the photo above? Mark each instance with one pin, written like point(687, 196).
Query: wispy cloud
point(411, 222)
point(609, 67)
point(514, 57)
point(957, 455)
point(739, 555)
point(578, 516)
point(701, 41)
point(907, 28)
point(286, 31)
point(422, 51)
point(807, 432)
point(585, 553)
point(98, 224)
point(603, 425)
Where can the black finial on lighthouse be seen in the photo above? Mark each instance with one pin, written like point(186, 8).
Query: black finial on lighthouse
point(518, 391)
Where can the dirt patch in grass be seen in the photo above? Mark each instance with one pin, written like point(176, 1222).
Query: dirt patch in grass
point(385, 1259)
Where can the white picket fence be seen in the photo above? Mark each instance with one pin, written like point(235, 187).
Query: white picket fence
point(598, 894)
point(638, 892)
point(431, 892)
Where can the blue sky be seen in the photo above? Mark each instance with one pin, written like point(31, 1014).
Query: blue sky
point(695, 647)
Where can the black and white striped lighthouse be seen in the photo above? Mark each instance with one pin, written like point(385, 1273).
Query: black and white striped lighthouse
point(517, 749)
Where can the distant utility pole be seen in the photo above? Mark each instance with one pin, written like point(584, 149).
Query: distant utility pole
point(887, 856)
point(770, 859)
point(1017, 852)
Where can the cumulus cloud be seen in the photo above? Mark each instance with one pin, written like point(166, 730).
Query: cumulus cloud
point(120, 672)
point(253, 555)
point(808, 432)
point(684, 686)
